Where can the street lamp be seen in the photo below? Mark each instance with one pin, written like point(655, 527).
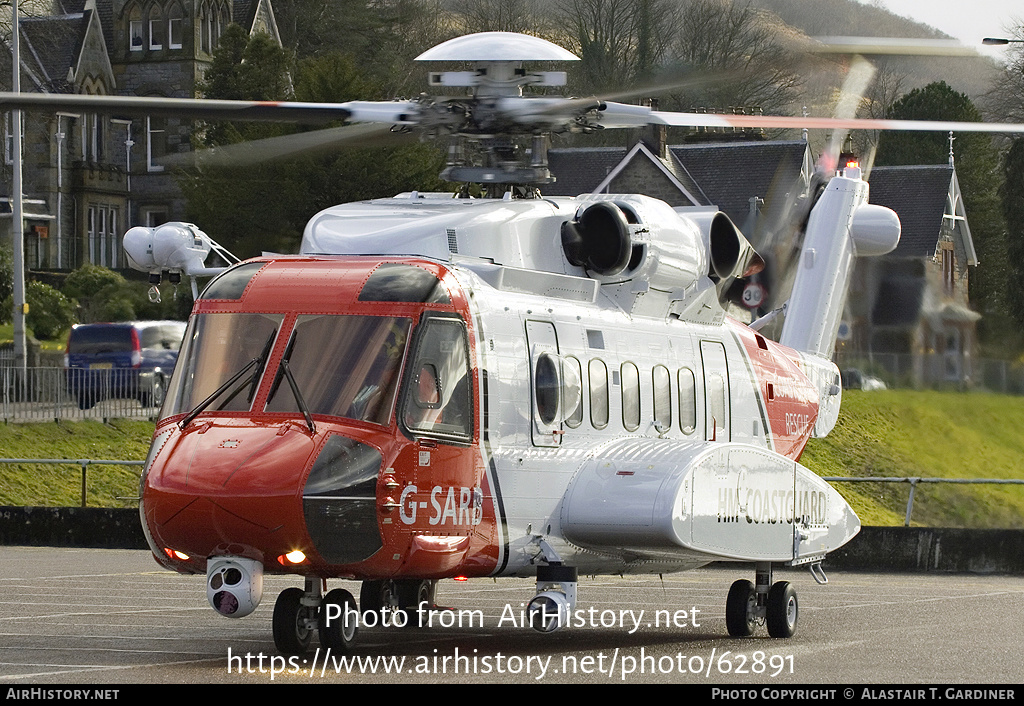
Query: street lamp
point(999, 41)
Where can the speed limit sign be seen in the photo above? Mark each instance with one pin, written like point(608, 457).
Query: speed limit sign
point(754, 295)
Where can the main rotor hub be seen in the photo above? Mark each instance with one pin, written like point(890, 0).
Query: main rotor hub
point(492, 127)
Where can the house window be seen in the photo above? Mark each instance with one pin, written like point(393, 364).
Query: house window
point(155, 217)
point(156, 29)
point(92, 138)
point(156, 142)
point(174, 31)
point(9, 138)
point(136, 29)
point(948, 273)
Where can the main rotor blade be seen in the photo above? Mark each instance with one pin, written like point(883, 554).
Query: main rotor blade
point(294, 145)
point(202, 108)
point(624, 115)
point(890, 46)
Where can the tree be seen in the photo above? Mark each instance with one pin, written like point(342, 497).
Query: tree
point(265, 206)
point(978, 171)
point(1005, 100)
point(1013, 210)
point(619, 42)
point(49, 312)
point(736, 48)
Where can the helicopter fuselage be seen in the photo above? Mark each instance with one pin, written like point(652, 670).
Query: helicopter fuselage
point(455, 416)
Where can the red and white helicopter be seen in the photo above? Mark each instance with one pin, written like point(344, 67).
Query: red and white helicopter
point(512, 386)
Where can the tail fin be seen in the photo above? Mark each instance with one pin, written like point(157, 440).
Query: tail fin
point(842, 225)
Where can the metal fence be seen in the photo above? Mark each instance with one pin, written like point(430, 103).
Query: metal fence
point(83, 463)
point(914, 481)
point(41, 394)
point(941, 372)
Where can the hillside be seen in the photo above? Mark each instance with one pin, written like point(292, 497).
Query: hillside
point(851, 18)
point(892, 433)
point(927, 434)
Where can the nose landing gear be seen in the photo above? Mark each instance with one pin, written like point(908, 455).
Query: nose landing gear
point(298, 614)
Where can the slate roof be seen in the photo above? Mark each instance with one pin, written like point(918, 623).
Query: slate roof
point(726, 174)
point(579, 170)
point(50, 46)
point(730, 173)
point(918, 196)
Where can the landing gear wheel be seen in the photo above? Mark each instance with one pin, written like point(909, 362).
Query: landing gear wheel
point(741, 609)
point(411, 595)
point(339, 621)
point(291, 622)
point(782, 610)
point(379, 597)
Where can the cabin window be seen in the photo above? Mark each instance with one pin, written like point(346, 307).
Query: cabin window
point(630, 397)
point(438, 396)
point(662, 384)
point(574, 396)
point(546, 388)
point(687, 401)
point(716, 401)
point(598, 374)
point(344, 366)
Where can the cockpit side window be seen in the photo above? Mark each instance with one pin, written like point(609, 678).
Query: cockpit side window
point(438, 392)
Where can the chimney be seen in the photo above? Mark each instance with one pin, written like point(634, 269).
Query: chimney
point(655, 137)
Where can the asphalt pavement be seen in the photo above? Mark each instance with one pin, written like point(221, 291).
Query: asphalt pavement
point(97, 616)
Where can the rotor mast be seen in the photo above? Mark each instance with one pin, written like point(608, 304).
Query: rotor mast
point(497, 126)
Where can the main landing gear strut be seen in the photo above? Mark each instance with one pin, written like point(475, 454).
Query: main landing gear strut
point(298, 613)
point(773, 604)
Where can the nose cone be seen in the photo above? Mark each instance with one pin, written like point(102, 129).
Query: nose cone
point(229, 486)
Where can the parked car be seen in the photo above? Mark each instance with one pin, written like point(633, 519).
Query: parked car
point(854, 379)
point(122, 360)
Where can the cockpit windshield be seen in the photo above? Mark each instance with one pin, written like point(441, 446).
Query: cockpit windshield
point(345, 366)
point(217, 347)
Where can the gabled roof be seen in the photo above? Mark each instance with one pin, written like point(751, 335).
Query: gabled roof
point(725, 174)
point(579, 170)
point(51, 45)
point(918, 194)
point(731, 173)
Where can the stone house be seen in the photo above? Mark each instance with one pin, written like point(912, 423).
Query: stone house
point(88, 178)
point(909, 310)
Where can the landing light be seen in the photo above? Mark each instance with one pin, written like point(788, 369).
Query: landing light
point(295, 557)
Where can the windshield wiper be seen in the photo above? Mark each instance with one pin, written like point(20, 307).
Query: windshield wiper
point(258, 362)
point(206, 403)
point(298, 395)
